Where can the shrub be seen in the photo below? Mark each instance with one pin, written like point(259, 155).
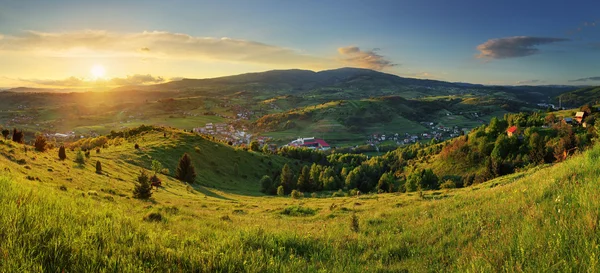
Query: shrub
point(98, 167)
point(79, 158)
point(155, 181)
point(354, 223)
point(266, 184)
point(40, 143)
point(62, 154)
point(297, 194)
point(153, 217)
point(5, 133)
point(313, 195)
point(87, 154)
point(143, 188)
point(136, 146)
point(298, 211)
point(448, 184)
point(156, 166)
point(185, 170)
point(197, 149)
point(280, 191)
point(97, 150)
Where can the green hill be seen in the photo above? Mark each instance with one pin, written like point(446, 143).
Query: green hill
point(581, 96)
point(59, 216)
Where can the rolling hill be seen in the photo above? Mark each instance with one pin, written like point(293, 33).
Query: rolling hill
point(581, 96)
point(60, 216)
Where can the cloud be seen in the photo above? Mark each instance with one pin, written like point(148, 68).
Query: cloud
point(529, 82)
point(75, 82)
point(137, 79)
point(68, 82)
point(513, 47)
point(158, 44)
point(586, 79)
point(366, 59)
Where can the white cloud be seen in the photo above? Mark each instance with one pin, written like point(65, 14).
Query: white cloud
point(513, 47)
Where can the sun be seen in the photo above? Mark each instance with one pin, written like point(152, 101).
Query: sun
point(98, 71)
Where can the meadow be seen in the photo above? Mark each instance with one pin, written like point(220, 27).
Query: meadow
point(62, 216)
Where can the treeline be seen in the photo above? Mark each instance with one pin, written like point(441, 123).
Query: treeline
point(485, 153)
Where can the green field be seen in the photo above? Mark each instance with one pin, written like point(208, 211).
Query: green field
point(60, 216)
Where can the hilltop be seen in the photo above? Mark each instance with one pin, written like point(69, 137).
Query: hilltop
point(59, 216)
point(581, 96)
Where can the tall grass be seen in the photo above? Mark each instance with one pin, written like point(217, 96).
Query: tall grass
point(544, 220)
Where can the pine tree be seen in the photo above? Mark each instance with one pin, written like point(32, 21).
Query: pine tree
point(304, 180)
point(98, 167)
point(185, 170)
point(287, 178)
point(143, 187)
point(62, 154)
point(18, 136)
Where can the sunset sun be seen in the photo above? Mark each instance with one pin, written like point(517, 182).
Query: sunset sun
point(98, 71)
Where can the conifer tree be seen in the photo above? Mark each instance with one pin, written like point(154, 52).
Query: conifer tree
point(185, 170)
point(62, 154)
point(304, 180)
point(40, 143)
point(98, 167)
point(143, 188)
point(287, 178)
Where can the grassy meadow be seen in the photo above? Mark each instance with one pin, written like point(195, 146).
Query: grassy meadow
point(60, 216)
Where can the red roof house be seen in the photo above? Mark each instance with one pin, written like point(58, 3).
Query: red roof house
point(511, 130)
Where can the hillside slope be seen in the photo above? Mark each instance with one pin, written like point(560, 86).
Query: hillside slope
point(71, 219)
point(581, 96)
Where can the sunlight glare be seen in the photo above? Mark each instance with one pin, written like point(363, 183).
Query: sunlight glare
point(98, 71)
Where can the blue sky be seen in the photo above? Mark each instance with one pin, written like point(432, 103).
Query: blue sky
point(491, 42)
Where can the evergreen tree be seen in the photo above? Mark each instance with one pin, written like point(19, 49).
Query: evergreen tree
point(280, 191)
point(287, 178)
point(79, 158)
point(5, 133)
point(98, 167)
point(18, 136)
point(143, 187)
point(185, 170)
point(62, 154)
point(304, 180)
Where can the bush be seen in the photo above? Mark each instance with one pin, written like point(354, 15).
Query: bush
point(266, 184)
point(40, 143)
point(79, 158)
point(62, 154)
point(87, 154)
point(185, 170)
point(298, 211)
point(155, 181)
point(297, 194)
point(136, 146)
point(153, 217)
point(280, 191)
point(143, 189)
point(98, 167)
point(97, 150)
point(5, 133)
point(448, 184)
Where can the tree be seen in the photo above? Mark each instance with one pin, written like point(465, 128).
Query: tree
point(280, 191)
point(386, 183)
point(40, 143)
point(18, 136)
point(156, 166)
point(62, 154)
point(287, 178)
point(79, 158)
point(266, 183)
point(185, 170)
point(98, 167)
point(254, 146)
point(5, 133)
point(304, 180)
point(550, 118)
point(143, 188)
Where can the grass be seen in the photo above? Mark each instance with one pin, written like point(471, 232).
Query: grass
point(73, 220)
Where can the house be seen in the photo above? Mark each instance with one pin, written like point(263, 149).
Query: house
point(311, 143)
point(512, 130)
point(580, 116)
point(568, 120)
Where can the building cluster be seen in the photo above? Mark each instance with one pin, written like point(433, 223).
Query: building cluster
point(311, 143)
point(226, 132)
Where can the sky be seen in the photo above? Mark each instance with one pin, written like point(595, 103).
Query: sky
point(76, 44)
